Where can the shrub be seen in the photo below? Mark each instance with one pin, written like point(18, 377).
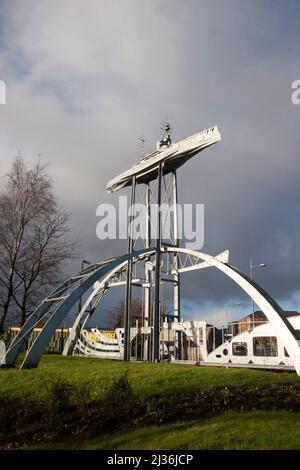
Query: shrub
point(120, 390)
point(83, 395)
point(60, 396)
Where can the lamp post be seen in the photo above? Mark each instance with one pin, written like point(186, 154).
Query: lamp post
point(252, 267)
point(233, 304)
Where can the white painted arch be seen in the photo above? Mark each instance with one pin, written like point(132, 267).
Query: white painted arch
point(102, 272)
point(266, 303)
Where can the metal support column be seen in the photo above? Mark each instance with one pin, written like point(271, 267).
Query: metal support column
point(156, 326)
point(146, 319)
point(127, 316)
point(176, 274)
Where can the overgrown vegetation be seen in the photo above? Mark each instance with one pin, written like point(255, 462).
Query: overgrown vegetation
point(253, 430)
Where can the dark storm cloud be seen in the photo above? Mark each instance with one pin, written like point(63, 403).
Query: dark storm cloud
point(85, 77)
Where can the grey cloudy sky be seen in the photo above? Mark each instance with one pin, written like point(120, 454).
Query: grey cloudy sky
point(85, 77)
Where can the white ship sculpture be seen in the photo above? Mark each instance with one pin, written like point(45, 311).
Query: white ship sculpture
point(172, 155)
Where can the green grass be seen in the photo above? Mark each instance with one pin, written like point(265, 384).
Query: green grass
point(147, 379)
point(252, 430)
point(255, 430)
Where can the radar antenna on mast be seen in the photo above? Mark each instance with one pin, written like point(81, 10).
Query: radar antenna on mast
point(166, 140)
point(165, 126)
point(142, 145)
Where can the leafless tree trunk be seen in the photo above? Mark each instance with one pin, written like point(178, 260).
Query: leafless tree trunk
point(33, 240)
point(115, 317)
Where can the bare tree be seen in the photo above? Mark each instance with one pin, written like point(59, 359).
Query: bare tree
point(115, 316)
point(33, 240)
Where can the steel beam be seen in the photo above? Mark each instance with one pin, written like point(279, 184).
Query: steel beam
point(127, 312)
point(176, 275)
point(156, 326)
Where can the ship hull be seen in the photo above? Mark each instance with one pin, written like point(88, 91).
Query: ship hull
point(172, 158)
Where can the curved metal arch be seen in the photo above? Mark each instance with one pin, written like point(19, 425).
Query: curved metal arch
point(34, 354)
point(272, 310)
point(101, 287)
point(61, 300)
point(267, 304)
point(99, 291)
point(51, 302)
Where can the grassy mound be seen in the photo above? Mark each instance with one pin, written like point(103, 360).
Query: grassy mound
point(84, 402)
point(148, 380)
point(237, 431)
